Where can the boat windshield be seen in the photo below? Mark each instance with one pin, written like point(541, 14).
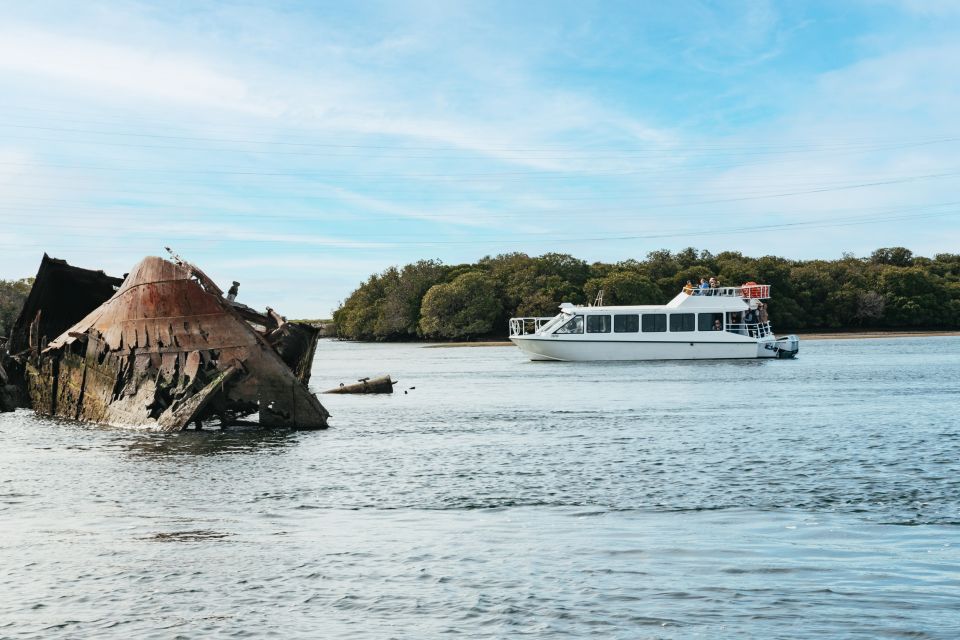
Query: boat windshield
point(573, 325)
point(558, 319)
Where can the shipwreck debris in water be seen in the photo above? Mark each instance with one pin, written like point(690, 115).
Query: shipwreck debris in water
point(168, 350)
point(383, 384)
point(9, 393)
point(60, 297)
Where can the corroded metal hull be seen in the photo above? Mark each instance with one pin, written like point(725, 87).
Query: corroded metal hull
point(167, 351)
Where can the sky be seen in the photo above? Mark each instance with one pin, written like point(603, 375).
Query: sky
point(300, 147)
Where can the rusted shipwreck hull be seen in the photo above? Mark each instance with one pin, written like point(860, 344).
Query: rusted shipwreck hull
point(167, 351)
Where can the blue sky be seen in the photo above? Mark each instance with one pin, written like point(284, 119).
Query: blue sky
point(300, 147)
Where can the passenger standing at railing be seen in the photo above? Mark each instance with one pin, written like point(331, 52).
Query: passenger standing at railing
point(688, 288)
point(714, 285)
point(704, 287)
point(762, 313)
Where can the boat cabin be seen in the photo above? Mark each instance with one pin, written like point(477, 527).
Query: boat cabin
point(724, 309)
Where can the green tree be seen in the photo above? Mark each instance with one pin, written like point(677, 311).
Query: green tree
point(915, 298)
point(465, 308)
point(894, 256)
point(624, 287)
point(13, 293)
point(399, 313)
point(357, 316)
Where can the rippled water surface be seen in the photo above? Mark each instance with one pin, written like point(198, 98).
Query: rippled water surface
point(499, 498)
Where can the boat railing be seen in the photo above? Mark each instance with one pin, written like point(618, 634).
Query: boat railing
point(754, 330)
point(756, 291)
point(527, 326)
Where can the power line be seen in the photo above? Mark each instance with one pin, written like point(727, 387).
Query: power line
point(478, 148)
point(32, 181)
point(73, 222)
point(846, 187)
point(206, 243)
point(484, 147)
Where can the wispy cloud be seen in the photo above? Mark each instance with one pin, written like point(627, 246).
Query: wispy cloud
point(95, 66)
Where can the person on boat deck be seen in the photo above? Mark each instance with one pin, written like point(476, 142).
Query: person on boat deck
point(750, 318)
point(713, 285)
point(762, 314)
point(704, 287)
point(717, 325)
point(688, 288)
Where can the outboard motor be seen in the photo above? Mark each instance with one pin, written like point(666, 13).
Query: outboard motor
point(788, 346)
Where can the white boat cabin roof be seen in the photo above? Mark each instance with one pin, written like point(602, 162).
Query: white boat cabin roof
point(722, 300)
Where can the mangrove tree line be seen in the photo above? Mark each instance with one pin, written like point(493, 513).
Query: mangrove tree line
point(891, 289)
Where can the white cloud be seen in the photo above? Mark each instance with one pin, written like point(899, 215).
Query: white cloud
point(95, 66)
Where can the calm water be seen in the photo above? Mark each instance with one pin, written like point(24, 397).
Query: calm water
point(499, 498)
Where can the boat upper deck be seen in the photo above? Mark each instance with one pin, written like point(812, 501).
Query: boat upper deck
point(716, 299)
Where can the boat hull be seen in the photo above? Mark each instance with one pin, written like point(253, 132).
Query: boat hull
point(545, 348)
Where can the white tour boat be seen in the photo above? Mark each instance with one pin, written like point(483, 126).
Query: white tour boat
point(702, 324)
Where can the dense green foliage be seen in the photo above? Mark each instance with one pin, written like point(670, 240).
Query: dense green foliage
point(13, 293)
point(467, 306)
point(890, 289)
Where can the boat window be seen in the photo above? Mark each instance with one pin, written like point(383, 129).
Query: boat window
point(598, 324)
point(705, 321)
point(573, 325)
point(654, 322)
point(681, 321)
point(629, 323)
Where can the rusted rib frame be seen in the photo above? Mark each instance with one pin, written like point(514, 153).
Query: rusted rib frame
point(153, 318)
point(144, 284)
point(175, 349)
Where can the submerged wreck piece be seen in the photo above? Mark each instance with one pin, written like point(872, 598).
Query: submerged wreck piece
point(166, 351)
point(383, 384)
point(9, 394)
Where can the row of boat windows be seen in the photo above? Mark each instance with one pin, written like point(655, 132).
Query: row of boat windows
point(646, 322)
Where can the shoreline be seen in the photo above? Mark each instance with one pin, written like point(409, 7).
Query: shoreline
point(817, 335)
point(866, 335)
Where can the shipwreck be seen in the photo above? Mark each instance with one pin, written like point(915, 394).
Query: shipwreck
point(162, 349)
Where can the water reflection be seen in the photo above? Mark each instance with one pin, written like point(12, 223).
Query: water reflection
point(70, 434)
point(210, 443)
point(654, 364)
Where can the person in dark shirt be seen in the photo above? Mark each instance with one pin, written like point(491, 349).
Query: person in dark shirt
point(750, 319)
